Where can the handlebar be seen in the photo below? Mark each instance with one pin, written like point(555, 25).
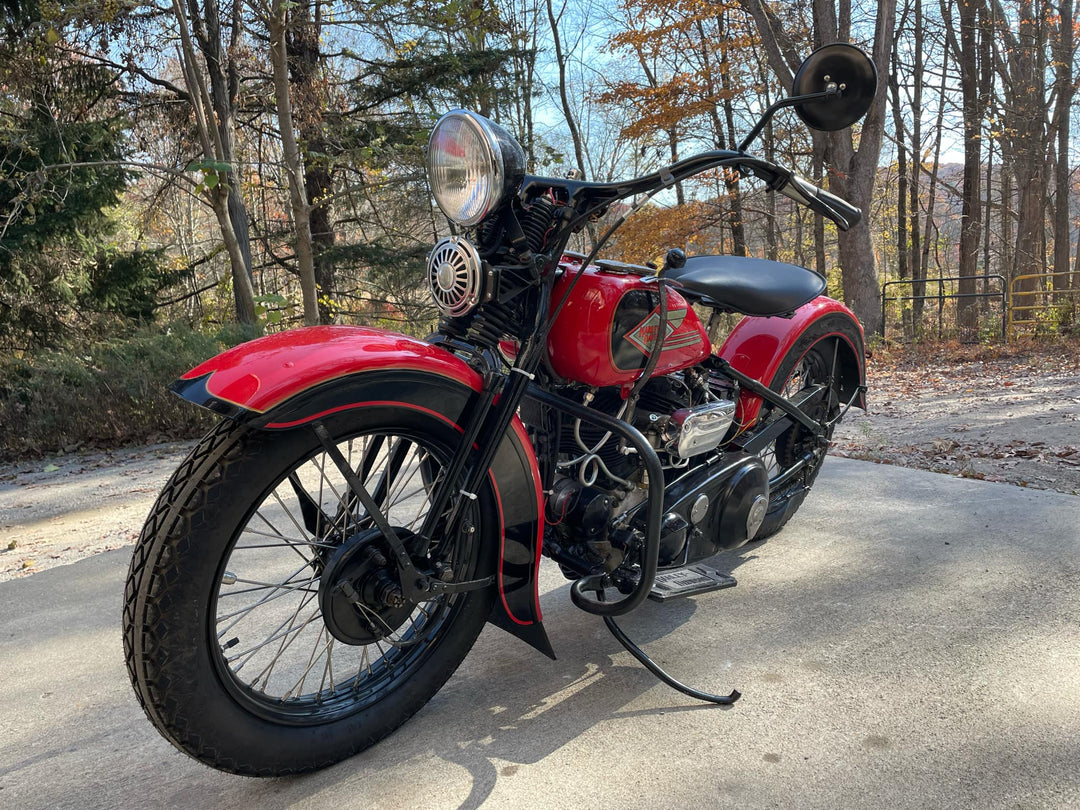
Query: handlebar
point(840, 211)
point(590, 197)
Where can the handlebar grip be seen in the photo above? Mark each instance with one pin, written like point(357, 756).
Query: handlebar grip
point(851, 213)
point(839, 210)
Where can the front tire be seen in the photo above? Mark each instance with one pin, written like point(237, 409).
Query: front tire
point(226, 640)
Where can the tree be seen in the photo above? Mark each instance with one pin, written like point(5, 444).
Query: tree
point(853, 170)
point(214, 110)
point(687, 86)
point(62, 148)
point(1021, 67)
point(276, 18)
point(967, 49)
point(310, 91)
point(1065, 92)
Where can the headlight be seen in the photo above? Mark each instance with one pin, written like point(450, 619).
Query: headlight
point(472, 164)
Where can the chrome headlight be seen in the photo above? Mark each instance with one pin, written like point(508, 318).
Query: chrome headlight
point(472, 164)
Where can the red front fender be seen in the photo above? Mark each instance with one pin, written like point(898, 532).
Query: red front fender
point(263, 374)
point(287, 380)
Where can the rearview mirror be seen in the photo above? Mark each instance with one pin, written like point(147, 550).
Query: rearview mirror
point(839, 67)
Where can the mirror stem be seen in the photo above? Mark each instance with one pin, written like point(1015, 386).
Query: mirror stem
point(831, 91)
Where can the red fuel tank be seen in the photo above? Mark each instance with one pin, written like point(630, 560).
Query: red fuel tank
point(606, 330)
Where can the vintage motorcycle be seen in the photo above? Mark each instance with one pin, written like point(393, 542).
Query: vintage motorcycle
point(325, 557)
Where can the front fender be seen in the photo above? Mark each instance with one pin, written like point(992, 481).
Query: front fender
point(757, 347)
point(287, 380)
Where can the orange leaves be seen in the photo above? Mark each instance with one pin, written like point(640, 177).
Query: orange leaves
point(690, 53)
point(647, 235)
point(663, 106)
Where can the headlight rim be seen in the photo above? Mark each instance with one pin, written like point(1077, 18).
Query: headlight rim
point(502, 155)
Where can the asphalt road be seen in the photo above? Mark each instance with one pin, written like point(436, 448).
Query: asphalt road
point(911, 640)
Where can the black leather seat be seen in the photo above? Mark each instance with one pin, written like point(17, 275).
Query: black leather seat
point(750, 286)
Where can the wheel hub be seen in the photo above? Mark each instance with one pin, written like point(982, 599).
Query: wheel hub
point(359, 592)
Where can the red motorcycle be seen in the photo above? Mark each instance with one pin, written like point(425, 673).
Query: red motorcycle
point(325, 557)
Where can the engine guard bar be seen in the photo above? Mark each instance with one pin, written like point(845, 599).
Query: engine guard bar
point(654, 509)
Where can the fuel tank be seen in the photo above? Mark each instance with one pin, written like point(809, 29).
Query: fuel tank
point(606, 330)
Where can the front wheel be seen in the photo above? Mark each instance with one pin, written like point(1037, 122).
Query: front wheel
point(264, 627)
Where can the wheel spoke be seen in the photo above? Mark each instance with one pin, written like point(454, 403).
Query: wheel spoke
point(291, 635)
point(293, 663)
point(277, 592)
point(288, 541)
point(283, 542)
point(314, 517)
point(344, 511)
point(282, 633)
point(316, 655)
point(263, 586)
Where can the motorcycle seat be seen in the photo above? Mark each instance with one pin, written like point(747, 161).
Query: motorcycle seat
point(750, 286)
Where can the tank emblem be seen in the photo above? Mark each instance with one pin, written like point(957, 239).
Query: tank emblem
point(643, 336)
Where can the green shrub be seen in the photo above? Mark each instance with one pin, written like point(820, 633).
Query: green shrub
point(105, 395)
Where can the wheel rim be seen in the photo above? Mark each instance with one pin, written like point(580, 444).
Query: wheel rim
point(270, 643)
point(787, 448)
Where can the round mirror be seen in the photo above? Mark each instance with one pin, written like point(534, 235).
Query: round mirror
point(853, 73)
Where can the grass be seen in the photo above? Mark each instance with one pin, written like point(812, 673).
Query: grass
point(105, 395)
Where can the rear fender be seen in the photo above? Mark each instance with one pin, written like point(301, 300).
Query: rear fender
point(757, 347)
point(288, 380)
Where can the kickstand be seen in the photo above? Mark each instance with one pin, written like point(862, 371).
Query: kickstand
point(654, 668)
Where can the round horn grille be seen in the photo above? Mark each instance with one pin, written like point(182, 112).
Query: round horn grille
point(455, 276)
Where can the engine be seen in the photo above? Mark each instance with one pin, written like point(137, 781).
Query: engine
point(713, 500)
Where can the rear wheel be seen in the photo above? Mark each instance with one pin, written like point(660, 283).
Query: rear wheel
point(265, 630)
point(808, 374)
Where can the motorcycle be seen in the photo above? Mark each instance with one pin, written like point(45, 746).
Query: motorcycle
point(326, 556)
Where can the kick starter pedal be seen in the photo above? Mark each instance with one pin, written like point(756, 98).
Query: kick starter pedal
point(689, 581)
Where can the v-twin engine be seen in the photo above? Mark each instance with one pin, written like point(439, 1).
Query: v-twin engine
point(713, 500)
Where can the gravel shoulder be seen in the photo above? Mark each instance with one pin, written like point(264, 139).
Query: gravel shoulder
point(1010, 416)
point(1002, 415)
point(59, 510)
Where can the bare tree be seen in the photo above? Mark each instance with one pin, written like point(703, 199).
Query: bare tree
point(276, 19)
point(1021, 66)
point(562, 56)
point(853, 171)
point(215, 129)
point(1065, 90)
point(967, 49)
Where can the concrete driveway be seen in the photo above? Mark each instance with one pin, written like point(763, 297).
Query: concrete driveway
point(911, 640)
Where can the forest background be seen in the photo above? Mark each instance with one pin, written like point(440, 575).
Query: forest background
point(178, 176)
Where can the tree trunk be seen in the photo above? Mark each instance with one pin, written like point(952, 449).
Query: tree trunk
point(1063, 65)
point(966, 56)
point(561, 58)
point(293, 164)
point(818, 166)
point(859, 168)
point(731, 179)
point(305, 70)
point(902, 270)
point(217, 147)
point(854, 171)
point(856, 247)
point(1022, 67)
point(731, 184)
